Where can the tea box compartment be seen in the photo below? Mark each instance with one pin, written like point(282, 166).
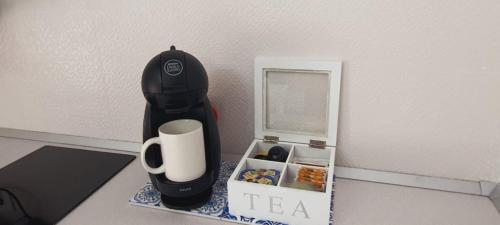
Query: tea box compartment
point(262, 148)
point(291, 174)
point(254, 166)
point(307, 156)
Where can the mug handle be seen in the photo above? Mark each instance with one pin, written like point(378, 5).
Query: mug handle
point(145, 146)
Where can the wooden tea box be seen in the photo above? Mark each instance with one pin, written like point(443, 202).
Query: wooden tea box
point(296, 108)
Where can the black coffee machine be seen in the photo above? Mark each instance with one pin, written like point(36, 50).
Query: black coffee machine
point(175, 85)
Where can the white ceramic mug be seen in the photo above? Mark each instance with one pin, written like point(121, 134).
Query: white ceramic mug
point(182, 150)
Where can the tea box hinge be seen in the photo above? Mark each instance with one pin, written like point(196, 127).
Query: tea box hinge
point(271, 139)
point(317, 144)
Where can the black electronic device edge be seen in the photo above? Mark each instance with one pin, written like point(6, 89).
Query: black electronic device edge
point(33, 198)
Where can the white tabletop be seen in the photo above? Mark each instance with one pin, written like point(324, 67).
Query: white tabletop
point(356, 202)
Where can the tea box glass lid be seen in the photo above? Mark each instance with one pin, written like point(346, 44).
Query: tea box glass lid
point(297, 100)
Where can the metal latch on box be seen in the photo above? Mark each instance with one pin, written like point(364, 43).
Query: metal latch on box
point(317, 144)
point(312, 143)
point(271, 139)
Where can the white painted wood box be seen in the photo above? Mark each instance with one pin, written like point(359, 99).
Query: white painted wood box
point(296, 107)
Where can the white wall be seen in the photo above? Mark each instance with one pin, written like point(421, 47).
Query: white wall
point(421, 79)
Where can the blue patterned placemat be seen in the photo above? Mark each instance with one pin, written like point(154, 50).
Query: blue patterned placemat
point(216, 208)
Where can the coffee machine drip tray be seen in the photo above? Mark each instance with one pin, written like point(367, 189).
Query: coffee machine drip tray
point(51, 181)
